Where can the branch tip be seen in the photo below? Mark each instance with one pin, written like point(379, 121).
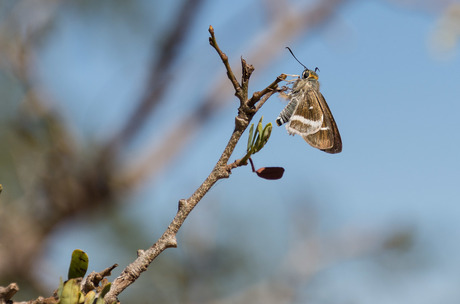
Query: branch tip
point(224, 58)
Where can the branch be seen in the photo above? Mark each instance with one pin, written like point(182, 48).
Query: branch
point(291, 25)
point(157, 82)
point(6, 293)
point(221, 170)
point(224, 57)
point(94, 278)
point(266, 93)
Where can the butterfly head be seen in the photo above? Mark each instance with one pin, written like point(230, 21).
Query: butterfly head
point(309, 74)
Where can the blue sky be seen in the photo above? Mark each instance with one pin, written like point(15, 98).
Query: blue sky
point(395, 102)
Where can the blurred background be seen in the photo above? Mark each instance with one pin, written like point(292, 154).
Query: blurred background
point(112, 111)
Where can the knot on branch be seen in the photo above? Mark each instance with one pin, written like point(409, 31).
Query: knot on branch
point(183, 203)
point(171, 242)
point(241, 121)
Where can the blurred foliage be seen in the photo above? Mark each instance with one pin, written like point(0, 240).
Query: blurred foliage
point(78, 264)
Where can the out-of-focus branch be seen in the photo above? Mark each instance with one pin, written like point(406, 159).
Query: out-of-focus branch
point(69, 182)
point(6, 293)
point(157, 82)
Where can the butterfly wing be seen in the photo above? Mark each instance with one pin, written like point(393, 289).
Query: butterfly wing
point(307, 117)
point(327, 138)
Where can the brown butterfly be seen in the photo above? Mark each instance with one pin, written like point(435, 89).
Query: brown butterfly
point(308, 115)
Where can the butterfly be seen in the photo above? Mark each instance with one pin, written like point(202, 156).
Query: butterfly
point(308, 115)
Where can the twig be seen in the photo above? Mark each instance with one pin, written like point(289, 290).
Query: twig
point(94, 278)
point(237, 163)
point(265, 94)
point(221, 170)
point(224, 57)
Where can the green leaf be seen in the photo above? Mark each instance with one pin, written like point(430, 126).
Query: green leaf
point(259, 126)
point(78, 264)
point(257, 139)
point(70, 293)
point(61, 286)
point(104, 291)
point(266, 133)
point(90, 296)
point(250, 138)
point(258, 144)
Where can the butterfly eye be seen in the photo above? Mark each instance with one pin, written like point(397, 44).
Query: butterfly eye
point(305, 74)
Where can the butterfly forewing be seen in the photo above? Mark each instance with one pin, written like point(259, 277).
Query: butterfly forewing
point(307, 117)
point(327, 138)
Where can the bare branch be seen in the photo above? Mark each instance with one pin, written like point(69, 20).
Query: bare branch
point(157, 82)
point(271, 89)
point(94, 278)
point(224, 57)
point(221, 170)
point(6, 293)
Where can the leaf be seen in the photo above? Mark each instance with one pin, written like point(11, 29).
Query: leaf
point(60, 288)
point(90, 296)
point(263, 137)
point(78, 264)
point(257, 138)
point(104, 291)
point(250, 138)
point(270, 172)
point(259, 126)
point(266, 133)
point(70, 293)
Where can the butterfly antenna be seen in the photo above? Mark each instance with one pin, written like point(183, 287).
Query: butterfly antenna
point(296, 58)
